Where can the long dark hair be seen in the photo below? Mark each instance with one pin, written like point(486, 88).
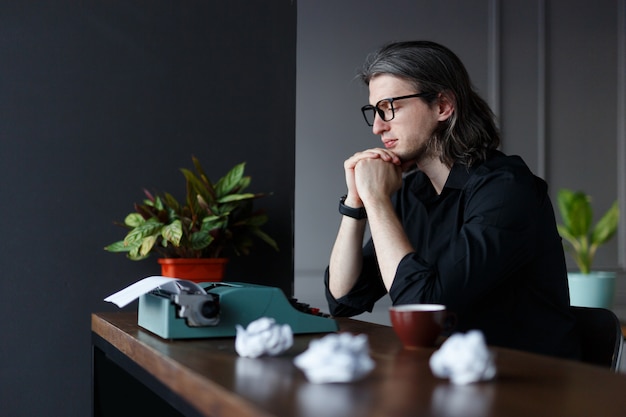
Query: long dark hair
point(470, 132)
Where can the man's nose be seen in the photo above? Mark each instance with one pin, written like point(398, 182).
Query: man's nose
point(379, 125)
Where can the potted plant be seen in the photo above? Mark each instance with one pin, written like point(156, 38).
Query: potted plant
point(215, 222)
point(582, 239)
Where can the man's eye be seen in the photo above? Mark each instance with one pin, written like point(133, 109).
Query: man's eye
point(384, 105)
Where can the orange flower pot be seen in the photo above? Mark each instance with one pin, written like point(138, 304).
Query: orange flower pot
point(194, 269)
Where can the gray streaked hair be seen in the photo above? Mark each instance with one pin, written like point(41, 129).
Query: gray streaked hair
point(467, 135)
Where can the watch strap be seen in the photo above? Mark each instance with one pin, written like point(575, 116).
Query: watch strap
point(356, 213)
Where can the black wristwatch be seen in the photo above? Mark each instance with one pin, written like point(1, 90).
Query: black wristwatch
point(355, 213)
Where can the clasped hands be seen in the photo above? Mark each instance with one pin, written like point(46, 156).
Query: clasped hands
point(373, 174)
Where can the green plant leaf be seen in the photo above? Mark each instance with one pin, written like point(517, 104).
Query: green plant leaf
point(195, 187)
point(134, 220)
point(266, 238)
point(256, 220)
point(579, 238)
point(138, 234)
point(606, 226)
point(200, 171)
point(213, 220)
point(146, 245)
point(580, 215)
point(564, 197)
point(170, 202)
point(203, 204)
point(243, 184)
point(158, 203)
point(200, 240)
point(134, 254)
point(228, 182)
point(173, 232)
point(236, 197)
point(117, 247)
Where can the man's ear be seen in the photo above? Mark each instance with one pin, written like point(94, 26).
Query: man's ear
point(446, 105)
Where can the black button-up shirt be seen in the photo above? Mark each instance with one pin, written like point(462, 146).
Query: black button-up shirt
point(487, 247)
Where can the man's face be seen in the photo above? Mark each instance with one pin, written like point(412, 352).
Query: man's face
point(414, 121)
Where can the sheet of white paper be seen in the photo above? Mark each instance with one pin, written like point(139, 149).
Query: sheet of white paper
point(263, 336)
point(136, 290)
point(464, 358)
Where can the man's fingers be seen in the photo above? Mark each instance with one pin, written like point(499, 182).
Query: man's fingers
point(374, 153)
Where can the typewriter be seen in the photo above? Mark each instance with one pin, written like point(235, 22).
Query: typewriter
point(186, 310)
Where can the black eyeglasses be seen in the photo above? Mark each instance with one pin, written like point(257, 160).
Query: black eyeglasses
point(384, 108)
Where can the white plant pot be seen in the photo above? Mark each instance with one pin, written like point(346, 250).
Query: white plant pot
point(596, 289)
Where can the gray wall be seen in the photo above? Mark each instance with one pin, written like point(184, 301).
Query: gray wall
point(553, 72)
point(99, 99)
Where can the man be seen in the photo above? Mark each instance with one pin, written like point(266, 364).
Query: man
point(452, 219)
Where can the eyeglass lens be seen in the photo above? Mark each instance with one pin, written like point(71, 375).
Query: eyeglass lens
point(384, 108)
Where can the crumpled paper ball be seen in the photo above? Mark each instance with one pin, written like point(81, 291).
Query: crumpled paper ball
point(263, 337)
point(464, 358)
point(339, 357)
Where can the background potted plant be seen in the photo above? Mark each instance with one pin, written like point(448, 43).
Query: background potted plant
point(582, 239)
point(215, 222)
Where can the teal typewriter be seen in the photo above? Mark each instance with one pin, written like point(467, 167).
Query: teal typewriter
point(185, 310)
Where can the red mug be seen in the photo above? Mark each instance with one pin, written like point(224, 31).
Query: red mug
point(419, 325)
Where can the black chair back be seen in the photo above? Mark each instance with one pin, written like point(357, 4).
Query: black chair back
point(601, 336)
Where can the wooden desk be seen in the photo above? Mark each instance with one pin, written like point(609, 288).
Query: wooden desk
point(207, 378)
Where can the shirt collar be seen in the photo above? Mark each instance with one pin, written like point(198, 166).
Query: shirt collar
point(459, 175)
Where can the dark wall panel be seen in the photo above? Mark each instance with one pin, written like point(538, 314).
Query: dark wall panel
point(99, 99)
